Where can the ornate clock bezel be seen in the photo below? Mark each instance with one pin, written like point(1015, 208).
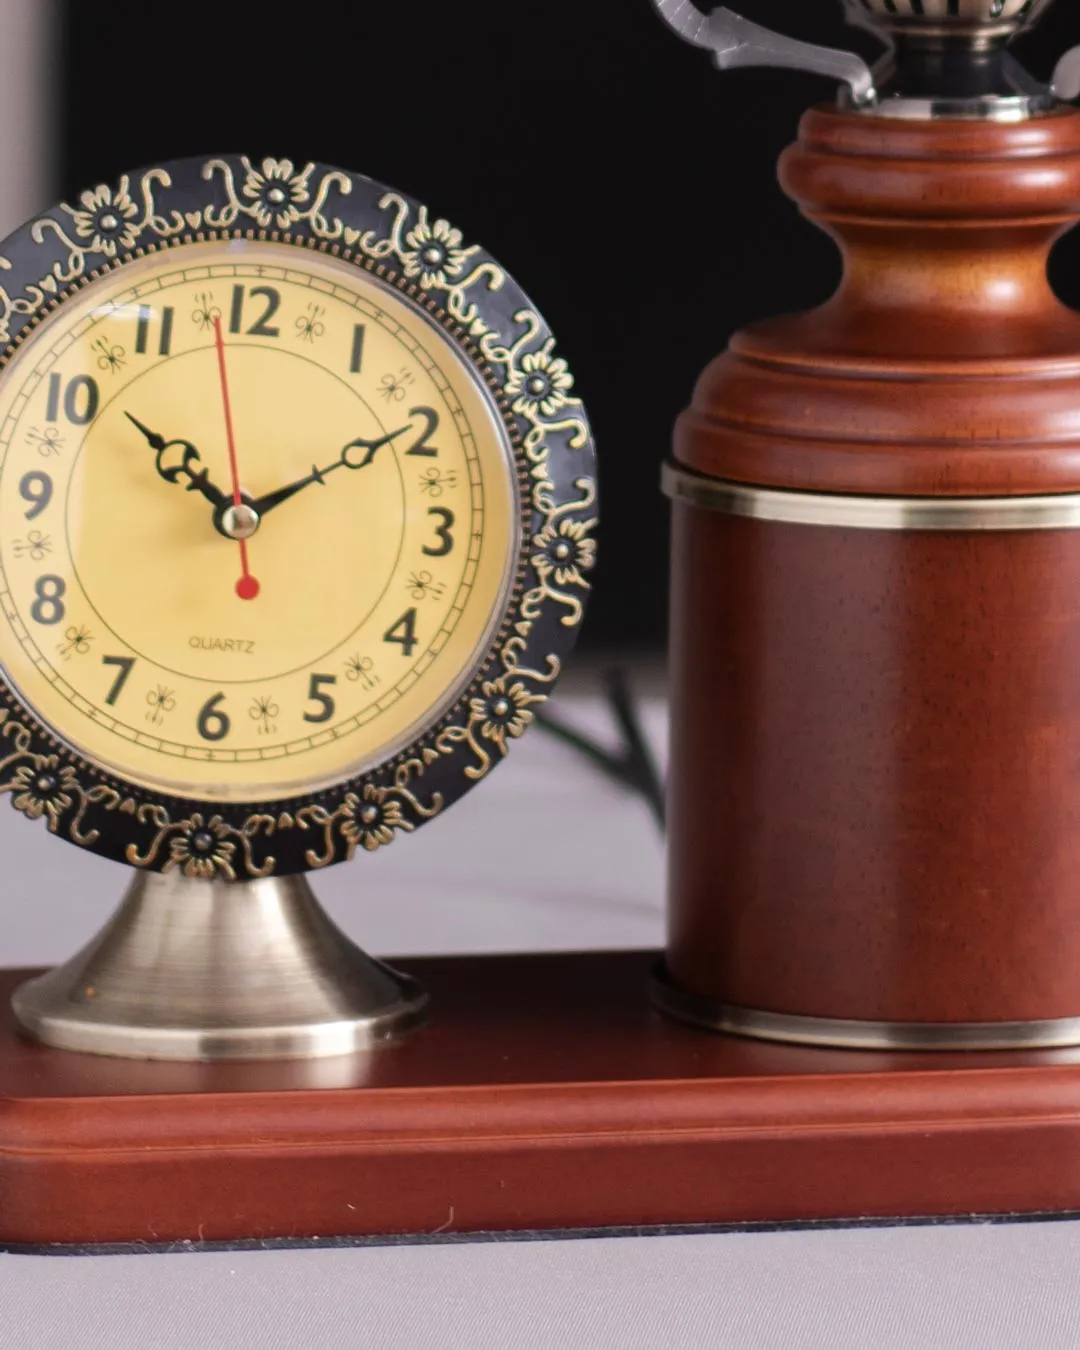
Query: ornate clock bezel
point(502, 337)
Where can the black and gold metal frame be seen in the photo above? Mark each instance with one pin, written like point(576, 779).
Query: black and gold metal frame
point(499, 332)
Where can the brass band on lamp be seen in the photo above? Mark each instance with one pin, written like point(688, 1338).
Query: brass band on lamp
point(1059, 511)
point(844, 1033)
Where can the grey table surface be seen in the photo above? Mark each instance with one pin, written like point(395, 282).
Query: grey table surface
point(547, 855)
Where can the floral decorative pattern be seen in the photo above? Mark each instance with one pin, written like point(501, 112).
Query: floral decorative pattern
point(565, 551)
point(203, 849)
point(272, 196)
point(371, 818)
point(434, 252)
point(42, 785)
point(503, 711)
point(107, 219)
point(43, 788)
point(458, 286)
point(276, 192)
point(541, 383)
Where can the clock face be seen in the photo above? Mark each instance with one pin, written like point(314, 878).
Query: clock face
point(257, 520)
point(296, 513)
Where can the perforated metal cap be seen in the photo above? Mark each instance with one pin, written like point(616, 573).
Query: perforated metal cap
point(969, 22)
point(944, 58)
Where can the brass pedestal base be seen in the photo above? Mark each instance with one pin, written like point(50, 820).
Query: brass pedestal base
point(206, 970)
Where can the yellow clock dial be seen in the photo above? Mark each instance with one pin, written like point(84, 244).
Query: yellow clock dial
point(258, 521)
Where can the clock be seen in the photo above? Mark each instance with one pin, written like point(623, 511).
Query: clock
point(296, 517)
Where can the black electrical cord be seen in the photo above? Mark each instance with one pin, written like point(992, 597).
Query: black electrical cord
point(634, 766)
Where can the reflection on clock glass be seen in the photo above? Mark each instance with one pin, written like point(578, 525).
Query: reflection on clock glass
point(257, 520)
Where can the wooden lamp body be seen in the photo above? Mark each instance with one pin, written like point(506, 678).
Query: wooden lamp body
point(875, 795)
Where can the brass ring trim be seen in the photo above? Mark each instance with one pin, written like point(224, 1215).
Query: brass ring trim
point(1059, 511)
point(844, 1034)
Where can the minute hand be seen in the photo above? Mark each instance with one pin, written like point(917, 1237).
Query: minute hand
point(345, 460)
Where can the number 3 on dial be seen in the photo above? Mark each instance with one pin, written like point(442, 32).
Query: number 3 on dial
point(442, 532)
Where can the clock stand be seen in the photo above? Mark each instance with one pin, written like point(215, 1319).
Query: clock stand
point(191, 969)
point(907, 456)
point(544, 1095)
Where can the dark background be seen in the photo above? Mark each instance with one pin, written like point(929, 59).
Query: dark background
point(626, 183)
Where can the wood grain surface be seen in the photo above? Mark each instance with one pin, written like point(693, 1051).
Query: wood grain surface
point(875, 797)
point(875, 759)
point(944, 364)
point(544, 1094)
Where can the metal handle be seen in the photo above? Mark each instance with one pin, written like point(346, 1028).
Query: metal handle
point(735, 41)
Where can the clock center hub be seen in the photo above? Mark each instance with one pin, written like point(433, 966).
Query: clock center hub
point(239, 522)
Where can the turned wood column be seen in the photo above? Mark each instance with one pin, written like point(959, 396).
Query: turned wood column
point(875, 782)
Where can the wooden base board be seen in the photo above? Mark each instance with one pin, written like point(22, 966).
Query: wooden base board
point(544, 1094)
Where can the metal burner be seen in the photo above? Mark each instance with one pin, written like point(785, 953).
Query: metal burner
point(945, 58)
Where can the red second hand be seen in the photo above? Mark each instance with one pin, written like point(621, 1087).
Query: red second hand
point(247, 588)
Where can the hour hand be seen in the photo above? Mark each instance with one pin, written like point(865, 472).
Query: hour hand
point(189, 466)
point(357, 454)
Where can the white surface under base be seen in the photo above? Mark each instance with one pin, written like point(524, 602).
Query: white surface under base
point(982, 1287)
